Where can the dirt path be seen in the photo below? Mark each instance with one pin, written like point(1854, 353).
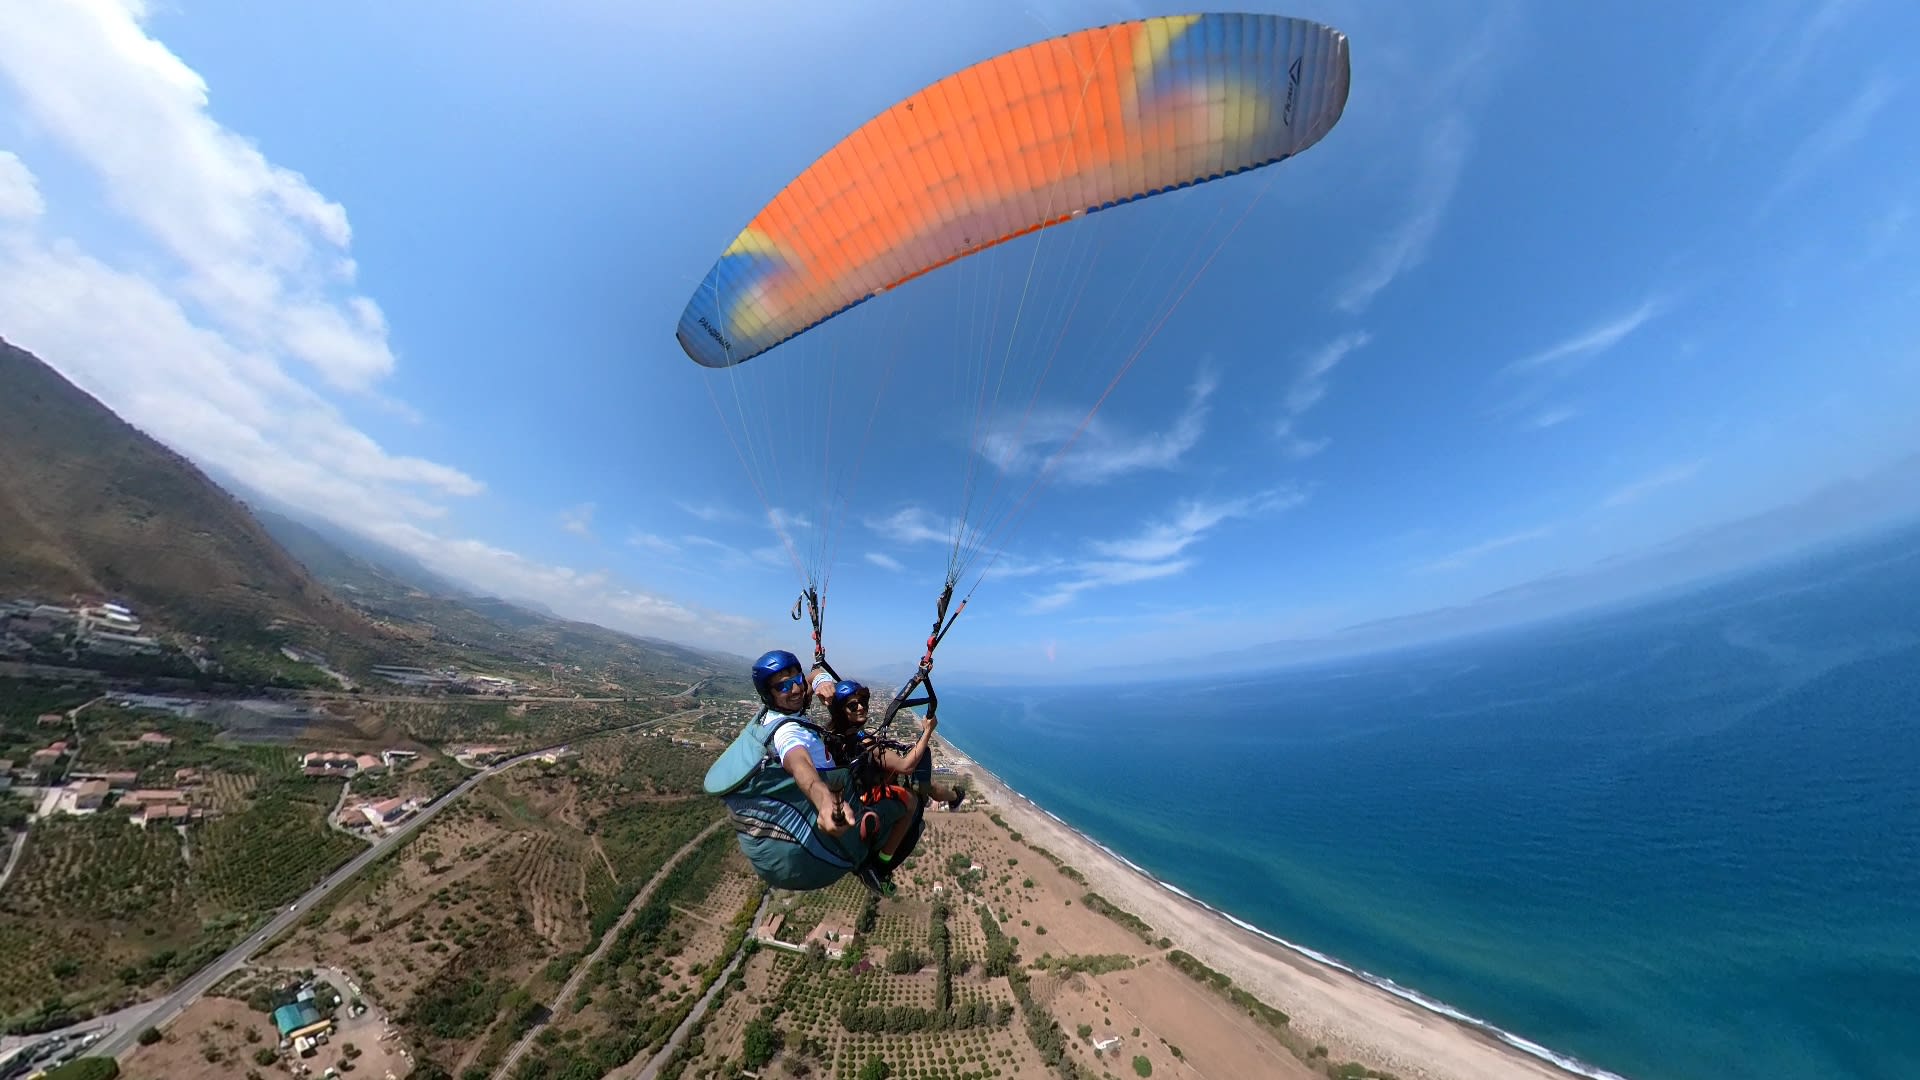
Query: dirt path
point(602, 852)
point(606, 941)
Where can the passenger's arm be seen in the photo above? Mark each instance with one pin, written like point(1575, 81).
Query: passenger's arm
point(907, 762)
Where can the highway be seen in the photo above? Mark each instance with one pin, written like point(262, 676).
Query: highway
point(166, 1009)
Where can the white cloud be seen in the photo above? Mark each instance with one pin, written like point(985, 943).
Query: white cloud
point(1075, 448)
point(1666, 477)
point(646, 541)
point(1443, 158)
point(914, 525)
point(19, 191)
point(1757, 57)
point(1553, 417)
point(1309, 386)
point(1159, 549)
point(1839, 133)
point(578, 520)
point(242, 280)
point(1455, 560)
point(260, 251)
point(590, 596)
point(120, 337)
point(885, 562)
point(711, 513)
point(1591, 341)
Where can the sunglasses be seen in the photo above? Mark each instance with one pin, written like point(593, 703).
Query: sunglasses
point(789, 684)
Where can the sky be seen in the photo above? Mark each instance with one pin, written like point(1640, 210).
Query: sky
point(1566, 286)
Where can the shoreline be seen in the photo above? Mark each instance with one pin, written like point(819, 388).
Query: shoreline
point(1370, 1016)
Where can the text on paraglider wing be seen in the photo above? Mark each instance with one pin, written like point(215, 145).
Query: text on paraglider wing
point(715, 334)
point(1293, 87)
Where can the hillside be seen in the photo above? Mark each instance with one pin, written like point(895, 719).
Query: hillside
point(395, 588)
point(89, 504)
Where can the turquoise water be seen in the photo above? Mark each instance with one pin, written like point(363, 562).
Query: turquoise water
point(1678, 842)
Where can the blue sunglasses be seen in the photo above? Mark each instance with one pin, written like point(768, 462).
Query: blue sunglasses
point(788, 684)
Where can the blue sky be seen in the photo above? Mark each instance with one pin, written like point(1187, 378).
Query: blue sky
point(1564, 285)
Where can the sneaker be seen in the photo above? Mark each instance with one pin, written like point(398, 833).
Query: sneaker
point(959, 796)
point(879, 885)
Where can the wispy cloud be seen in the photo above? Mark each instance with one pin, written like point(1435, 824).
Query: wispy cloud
point(1591, 341)
point(1442, 161)
point(912, 525)
point(1665, 477)
point(578, 520)
point(19, 192)
point(646, 541)
point(1551, 417)
point(1102, 451)
point(885, 562)
point(1309, 386)
point(1466, 556)
point(1159, 549)
point(1759, 55)
point(711, 513)
point(1839, 133)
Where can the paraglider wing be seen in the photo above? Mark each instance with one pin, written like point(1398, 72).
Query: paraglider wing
point(1028, 139)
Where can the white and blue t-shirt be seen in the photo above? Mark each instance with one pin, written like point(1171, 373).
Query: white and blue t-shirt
point(792, 735)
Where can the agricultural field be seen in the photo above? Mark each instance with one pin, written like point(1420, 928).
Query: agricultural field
point(901, 993)
point(522, 725)
point(22, 703)
point(101, 913)
point(480, 919)
point(426, 779)
point(654, 972)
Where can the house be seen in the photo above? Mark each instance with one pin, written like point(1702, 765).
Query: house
point(153, 795)
point(83, 797)
point(52, 719)
point(164, 814)
point(833, 937)
point(387, 811)
point(186, 777)
point(6, 774)
point(109, 617)
point(367, 761)
point(41, 759)
point(393, 756)
point(109, 641)
point(1107, 1043)
point(155, 739)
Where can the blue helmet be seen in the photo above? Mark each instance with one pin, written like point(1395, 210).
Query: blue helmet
point(765, 668)
point(845, 693)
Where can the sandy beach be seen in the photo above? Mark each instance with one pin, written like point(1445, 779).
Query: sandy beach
point(1353, 1018)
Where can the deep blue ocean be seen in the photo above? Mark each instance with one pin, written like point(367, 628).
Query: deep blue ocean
point(1679, 841)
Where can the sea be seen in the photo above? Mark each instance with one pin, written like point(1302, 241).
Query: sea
point(1678, 840)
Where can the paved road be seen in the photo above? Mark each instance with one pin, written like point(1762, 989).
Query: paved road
point(554, 1011)
point(680, 1034)
point(166, 1009)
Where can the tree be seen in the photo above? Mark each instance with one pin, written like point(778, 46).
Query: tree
point(149, 1036)
point(85, 1069)
point(759, 1043)
point(265, 1056)
point(875, 1069)
point(1141, 1066)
